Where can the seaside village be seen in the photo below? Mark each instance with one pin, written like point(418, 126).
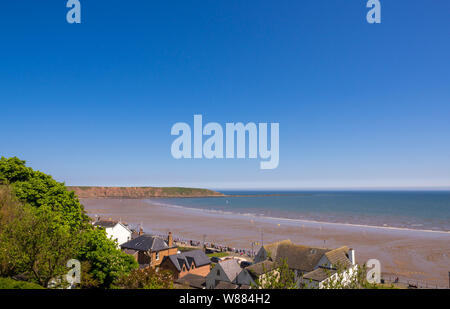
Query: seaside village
point(201, 265)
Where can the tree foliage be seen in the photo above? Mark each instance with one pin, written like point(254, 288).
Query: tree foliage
point(38, 189)
point(32, 241)
point(147, 278)
point(43, 225)
point(107, 262)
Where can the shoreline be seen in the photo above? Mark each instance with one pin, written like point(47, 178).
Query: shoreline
point(413, 254)
point(305, 221)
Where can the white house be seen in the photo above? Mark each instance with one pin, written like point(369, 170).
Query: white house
point(115, 230)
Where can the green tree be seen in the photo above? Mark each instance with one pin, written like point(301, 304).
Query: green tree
point(33, 242)
point(38, 189)
point(46, 226)
point(107, 262)
point(87, 278)
point(10, 210)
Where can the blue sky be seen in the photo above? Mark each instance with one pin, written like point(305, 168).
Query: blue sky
point(359, 105)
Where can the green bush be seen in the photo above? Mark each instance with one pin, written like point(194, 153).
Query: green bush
point(8, 283)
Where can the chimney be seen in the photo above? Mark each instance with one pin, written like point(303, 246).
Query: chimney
point(170, 240)
point(141, 231)
point(351, 256)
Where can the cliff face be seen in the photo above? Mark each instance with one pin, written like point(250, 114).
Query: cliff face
point(140, 192)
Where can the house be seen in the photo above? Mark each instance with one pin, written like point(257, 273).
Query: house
point(194, 262)
point(256, 272)
point(342, 259)
point(115, 230)
point(313, 267)
point(223, 272)
point(150, 250)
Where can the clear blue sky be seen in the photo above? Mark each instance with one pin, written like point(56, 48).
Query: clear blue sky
point(359, 105)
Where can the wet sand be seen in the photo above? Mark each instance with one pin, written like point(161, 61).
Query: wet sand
point(411, 254)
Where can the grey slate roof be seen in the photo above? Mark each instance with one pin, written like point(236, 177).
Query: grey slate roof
point(178, 260)
point(231, 268)
point(196, 257)
point(106, 223)
point(146, 243)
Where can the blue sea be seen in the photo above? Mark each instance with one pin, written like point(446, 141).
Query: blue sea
point(421, 210)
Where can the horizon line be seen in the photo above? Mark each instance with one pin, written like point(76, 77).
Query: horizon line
point(397, 188)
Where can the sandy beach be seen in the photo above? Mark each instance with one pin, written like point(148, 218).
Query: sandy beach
point(411, 254)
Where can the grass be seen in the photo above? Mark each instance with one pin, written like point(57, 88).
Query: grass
point(386, 286)
point(185, 249)
point(218, 254)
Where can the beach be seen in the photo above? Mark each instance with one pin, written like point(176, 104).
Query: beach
point(416, 255)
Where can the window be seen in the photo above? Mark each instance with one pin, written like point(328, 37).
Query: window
point(218, 272)
point(157, 256)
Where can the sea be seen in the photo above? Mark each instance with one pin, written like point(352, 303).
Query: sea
point(418, 210)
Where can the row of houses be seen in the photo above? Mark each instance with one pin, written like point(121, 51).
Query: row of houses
point(155, 251)
point(312, 267)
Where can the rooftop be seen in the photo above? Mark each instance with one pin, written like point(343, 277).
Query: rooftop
point(261, 268)
point(197, 257)
point(319, 274)
point(106, 223)
point(231, 268)
point(146, 242)
point(193, 281)
point(305, 258)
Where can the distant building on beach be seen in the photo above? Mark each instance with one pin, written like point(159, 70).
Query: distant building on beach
point(194, 262)
point(312, 266)
point(150, 250)
point(115, 230)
